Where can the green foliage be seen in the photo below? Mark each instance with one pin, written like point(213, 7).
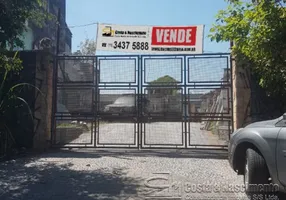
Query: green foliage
point(258, 32)
point(14, 14)
point(167, 81)
point(13, 107)
point(65, 125)
point(10, 63)
point(85, 127)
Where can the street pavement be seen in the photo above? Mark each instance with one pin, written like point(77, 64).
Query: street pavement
point(120, 175)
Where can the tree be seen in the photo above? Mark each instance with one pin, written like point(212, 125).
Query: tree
point(166, 86)
point(14, 14)
point(87, 47)
point(258, 32)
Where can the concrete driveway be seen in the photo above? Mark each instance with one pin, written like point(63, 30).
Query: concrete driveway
point(114, 175)
point(155, 133)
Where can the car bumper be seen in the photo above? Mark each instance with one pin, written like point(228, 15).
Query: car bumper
point(231, 148)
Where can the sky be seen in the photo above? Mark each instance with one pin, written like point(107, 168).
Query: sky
point(143, 12)
point(153, 13)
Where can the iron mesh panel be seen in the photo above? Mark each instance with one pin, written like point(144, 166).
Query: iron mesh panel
point(174, 101)
point(75, 70)
point(209, 132)
point(208, 69)
point(72, 131)
point(164, 101)
point(214, 101)
point(159, 133)
point(75, 100)
point(117, 70)
point(159, 71)
point(116, 132)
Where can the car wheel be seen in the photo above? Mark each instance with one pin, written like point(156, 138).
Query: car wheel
point(255, 171)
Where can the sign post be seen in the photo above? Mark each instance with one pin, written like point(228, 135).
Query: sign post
point(150, 39)
point(96, 39)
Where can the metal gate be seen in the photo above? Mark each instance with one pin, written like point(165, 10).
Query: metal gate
point(156, 101)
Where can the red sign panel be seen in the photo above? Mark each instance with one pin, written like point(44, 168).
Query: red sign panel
point(174, 36)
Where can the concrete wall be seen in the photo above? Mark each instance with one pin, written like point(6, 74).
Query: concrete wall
point(44, 100)
point(38, 73)
point(251, 103)
point(241, 93)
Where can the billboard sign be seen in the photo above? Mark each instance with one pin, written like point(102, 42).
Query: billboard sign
point(150, 39)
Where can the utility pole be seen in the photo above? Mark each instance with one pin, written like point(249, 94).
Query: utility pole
point(58, 32)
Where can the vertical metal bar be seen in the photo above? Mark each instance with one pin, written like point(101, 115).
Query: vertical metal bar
point(56, 78)
point(54, 100)
point(97, 96)
point(94, 89)
point(139, 101)
point(56, 72)
point(231, 89)
point(185, 100)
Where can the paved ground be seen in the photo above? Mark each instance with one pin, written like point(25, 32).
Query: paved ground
point(163, 133)
point(119, 175)
point(204, 137)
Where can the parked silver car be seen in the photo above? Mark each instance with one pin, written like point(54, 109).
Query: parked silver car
point(124, 104)
point(258, 152)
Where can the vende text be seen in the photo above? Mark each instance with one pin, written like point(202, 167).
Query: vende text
point(174, 36)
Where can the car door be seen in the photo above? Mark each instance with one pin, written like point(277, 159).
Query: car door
point(281, 156)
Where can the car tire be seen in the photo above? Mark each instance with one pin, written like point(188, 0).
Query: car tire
point(255, 171)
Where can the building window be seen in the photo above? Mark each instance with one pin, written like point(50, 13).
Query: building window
point(47, 5)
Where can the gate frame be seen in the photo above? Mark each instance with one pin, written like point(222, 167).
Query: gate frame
point(140, 88)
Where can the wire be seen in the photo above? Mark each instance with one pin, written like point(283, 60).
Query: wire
point(95, 23)
point(84, 25)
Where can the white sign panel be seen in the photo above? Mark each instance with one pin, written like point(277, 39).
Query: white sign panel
point(150, 39)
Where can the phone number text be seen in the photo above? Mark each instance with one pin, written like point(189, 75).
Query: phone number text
point(128, 45)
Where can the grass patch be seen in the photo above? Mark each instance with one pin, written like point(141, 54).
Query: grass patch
point(213, 127)
point(65, 125)
point(86, 127)
point(82, 126)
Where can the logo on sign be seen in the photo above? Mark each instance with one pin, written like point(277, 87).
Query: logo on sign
point(107, 31)
point(174, 36)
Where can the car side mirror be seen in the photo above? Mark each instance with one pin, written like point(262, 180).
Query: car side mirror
point(284, 116)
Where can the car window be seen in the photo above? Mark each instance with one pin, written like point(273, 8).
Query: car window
point(281, 122)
